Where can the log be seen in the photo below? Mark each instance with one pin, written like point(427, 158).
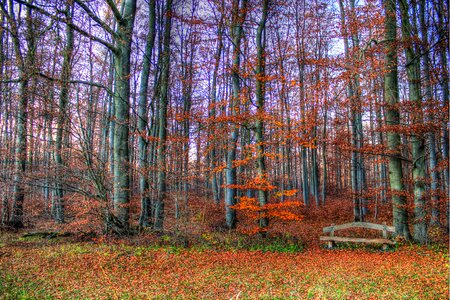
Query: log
point(46, 234)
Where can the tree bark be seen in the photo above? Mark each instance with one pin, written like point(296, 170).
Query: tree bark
point(62, 116)
point(142, 123)
point(162, 137)
point(432, 161)
point(121, 149)
point(212, 112)
point(238, 18)
point(391, 94)
point(417, 140)
point(26, 63)
point(263, 194)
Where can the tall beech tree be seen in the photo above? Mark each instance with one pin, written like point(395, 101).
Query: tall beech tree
point(358, 177)
point(162, 122)
point(25, 57)
point(391, 95)
point(122, 55)
point(417, 139)
point(239, 12)
point(142, 122)
point(440, 7)
point(62, 116)
point(431, 136)
point(121, 49)
point(213, 111)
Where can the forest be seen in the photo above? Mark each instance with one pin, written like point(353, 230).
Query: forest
point(202, 149)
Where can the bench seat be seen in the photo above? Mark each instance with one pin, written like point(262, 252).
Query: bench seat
point(356, 240)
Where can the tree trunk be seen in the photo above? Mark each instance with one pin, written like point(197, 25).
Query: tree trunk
point(358, 176)
point(62, 116)
point(142, 123)
point(431, 135)
point(391, 94)
point(260, 109)
point(162, 136)
point(122, 115)
point(25, 72)
point(417, 140)
point(212, 112)
point(443, 55)
point(239, 13)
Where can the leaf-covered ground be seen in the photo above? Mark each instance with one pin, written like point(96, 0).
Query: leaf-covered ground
point(204, 262)
point(47, 269)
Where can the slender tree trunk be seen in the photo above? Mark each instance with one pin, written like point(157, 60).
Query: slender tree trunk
point(304, 150)
point(142, 122)
point(16, 219)
point(431, 135)
point(62, 116)
point(25, 72)
point(5, 114)
point(315, 170)
point(48, 158)
point(353, 116)
point(239, 13)
point(212, 112)
point(162, 136)
point(381, 139)
point(440, 9)
point(324, 158)
point(358, 176)
point(260, 108)
point(187, 60)
point(104, 147)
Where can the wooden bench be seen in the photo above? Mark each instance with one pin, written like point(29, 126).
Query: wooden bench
point(331, 239)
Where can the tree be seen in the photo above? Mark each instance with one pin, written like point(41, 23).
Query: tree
point(163, 104)
point(260, 106)
point(358, 176)
point(239, 12)
point(212, 113)
point(301, 57)
point(417, 140)
point(391, 96)
point(122, 52)
point(146, 205)
point(440, 8)
point(431, 136)
point(25, 60)
point(62, 116)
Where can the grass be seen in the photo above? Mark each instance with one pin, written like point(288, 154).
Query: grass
point(239, 269)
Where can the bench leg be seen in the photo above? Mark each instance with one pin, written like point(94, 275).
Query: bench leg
point(330, 244)
point(385, 247)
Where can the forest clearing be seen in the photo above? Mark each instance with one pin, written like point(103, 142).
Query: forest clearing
point(213, 265)
point(224, 149)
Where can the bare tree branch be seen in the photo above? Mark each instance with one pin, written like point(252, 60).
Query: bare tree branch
point(94, 17)
point(115, 11)
point(75, 27)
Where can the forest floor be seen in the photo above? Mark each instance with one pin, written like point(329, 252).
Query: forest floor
point(219, 265)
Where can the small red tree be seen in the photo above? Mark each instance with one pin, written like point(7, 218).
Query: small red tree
point(274, 211)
